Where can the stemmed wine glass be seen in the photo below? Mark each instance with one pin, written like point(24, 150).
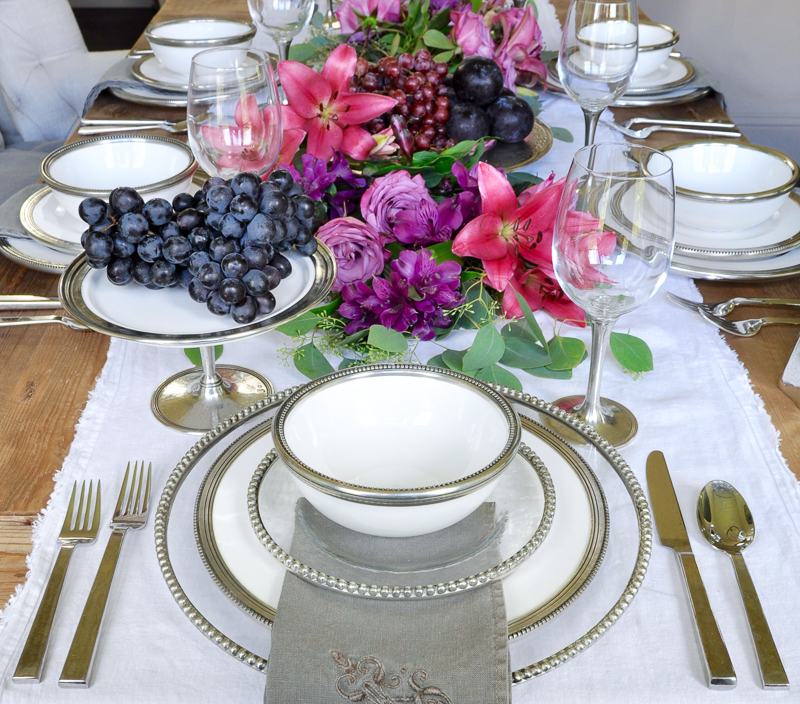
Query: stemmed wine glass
point(234, 125)
point(282, 20)
point(597, 55)
point(612, 245)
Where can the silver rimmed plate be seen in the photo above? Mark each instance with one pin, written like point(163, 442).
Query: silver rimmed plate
point(673, 73)
point(234, 629)
point(34, 255)
point(169, 317)
point(523, 506)
point(150, 71)
point(144, 96)
point(41, 215)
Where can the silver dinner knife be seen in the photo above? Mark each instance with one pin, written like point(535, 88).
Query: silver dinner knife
point(19, 301)
point(672, 532)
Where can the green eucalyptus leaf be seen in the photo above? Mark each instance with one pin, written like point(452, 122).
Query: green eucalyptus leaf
point(444, 57)
point(486, 350)
point(346, 363)
point(436, 40)
point(524, 353)
point(631, 352)
point(562, 134)
point(454, 359)
point(437, 361)
point(547, 373)
point(386, 339)
point(443, 252)
point(311, 362)
point(193, 353)
point(536, 331)
point(497, 375)
point(356, 337)
point(304, 53)
point(432, 179)
point(329, 308)
point(318, 20)
point(320, 41)
point(299, 326)
point(566, 353)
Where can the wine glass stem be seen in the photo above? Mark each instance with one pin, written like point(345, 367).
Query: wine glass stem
point(590, 409)
point(211, 382)
point(591, 119)
point(283, 48)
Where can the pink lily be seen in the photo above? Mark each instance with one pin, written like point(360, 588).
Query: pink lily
point(507, 230)
point(322, 106)
point(249, 144)
point(384, 11)
point(585, 248)
point(292, 139)
point(540, 290)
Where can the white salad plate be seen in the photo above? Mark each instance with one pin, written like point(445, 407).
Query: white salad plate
point(48, 221)
point(35, 255)
point(150, 71)
point(549, 583)
point(144, 96)
point(673, 73)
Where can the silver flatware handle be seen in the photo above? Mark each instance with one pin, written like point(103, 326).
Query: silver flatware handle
point(780, 321)
point(80, 659)
point(111, 122)
point(16, 301)
point(699, 130)
point(40, 320)
point(682, 123)
point(769, 662)
point(31, 662)
point(791, 302)
point(119, 128)
point(718, 666)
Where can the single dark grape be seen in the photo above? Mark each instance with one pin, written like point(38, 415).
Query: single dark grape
point(307, 248)
point(106, 225)
point(182, 201)
point(200, 238)
point(125, 200)
point(219, 198)
point(188, 219)
point(244, 312)
point(133, 227)
point(119, 271)
point(265, 303)
point(163, 273)
point(84, 235)
point(92, 210)
point(213, 220)
point(231, 291)
point(296, 190)
point(260, 230)
point(304, 208)
point(202, 208)
point(291, 209)
point(171, 229)
point(210, 183)
point(234, 265)
point(122, 248)
point(273, 276)
point(198, 292)
point(210, 275)
point(231, 226)
point(216, 305)
point(149, 248)
point(283, 245)
point(282, 264)
point(157, 211)
point(256, 282)
point(256, 257)
point(280, 231)
point(220, 247)
point(246, 183)
point(274, 204)
point(184, 277)
point(141, 273)
point(177, 250)
point(282, 179)
point(99, 245)
point(98, 263)
point(266, 187)
point(243, 207)
point(196, 260)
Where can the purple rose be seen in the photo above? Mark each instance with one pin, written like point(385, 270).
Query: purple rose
point(390, 195)
point(357, 248)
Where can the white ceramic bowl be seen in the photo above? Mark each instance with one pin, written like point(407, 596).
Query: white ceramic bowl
point(175, 42)
point(655, 44)
point(157, 167)
point(729, 185)
point(396, 450)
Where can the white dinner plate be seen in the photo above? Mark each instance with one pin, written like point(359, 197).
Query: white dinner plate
point(673, 73)
point(143, 96)
point(35, 255)
point(150, 71)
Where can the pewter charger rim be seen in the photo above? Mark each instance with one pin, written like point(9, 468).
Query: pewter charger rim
point(69, 291)
point(415, 496)
point(536, 669)
point(385, 591)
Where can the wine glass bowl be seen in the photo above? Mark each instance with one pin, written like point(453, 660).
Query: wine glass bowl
point(598, 54)
point(233, 112)
point(612, 245)
point(282, 20)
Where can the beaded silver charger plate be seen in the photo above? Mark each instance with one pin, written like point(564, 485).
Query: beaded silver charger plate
point(240, 633)
point(523, 505)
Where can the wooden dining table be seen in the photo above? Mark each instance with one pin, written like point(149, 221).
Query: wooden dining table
point(50, 370)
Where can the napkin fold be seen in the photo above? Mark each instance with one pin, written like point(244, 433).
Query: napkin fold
point(10, 225)
point(120, 75)
point(329, 646)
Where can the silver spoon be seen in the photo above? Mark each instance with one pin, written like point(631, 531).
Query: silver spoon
point(726, 522)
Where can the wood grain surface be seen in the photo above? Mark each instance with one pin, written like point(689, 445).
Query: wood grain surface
point(49, 370)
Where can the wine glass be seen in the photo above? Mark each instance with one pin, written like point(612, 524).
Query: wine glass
point(282, 20)
point(234, 121)
point(612, 245)
point(597, 55)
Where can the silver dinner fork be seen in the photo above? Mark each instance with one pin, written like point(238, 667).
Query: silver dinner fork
point(130, 513)
point(723, 308)
point(745, 328)
point(645, 132)
point(99, 126)
point(79, 527)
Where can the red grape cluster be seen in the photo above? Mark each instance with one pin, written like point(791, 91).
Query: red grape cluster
point(416, 82)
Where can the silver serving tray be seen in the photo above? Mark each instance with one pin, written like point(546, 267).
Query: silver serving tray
point(205, 451)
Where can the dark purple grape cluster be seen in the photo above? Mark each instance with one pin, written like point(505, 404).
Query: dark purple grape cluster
point(226, 244)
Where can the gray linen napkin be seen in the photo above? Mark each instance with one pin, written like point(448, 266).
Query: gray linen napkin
point(10, 225)
point(120, 75)
point(702, 77)
point(328, 647)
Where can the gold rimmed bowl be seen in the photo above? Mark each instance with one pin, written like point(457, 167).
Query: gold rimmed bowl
point(656, 41)
point(396, 450)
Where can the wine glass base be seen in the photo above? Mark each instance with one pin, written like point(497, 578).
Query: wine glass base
point(618, 425)
point(184, 403)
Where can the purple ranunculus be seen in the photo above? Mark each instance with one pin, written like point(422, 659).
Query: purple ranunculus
point(357, 248)
point(388, 196)
point(429, 223)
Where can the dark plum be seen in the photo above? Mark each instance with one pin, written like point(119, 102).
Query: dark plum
point(478, 80)
point(511, 118)
point(467, 122)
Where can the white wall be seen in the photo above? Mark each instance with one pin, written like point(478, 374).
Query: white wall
point(753, 48)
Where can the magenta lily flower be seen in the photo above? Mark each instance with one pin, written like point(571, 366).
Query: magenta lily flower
point(322, 106)
point(507, 230)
